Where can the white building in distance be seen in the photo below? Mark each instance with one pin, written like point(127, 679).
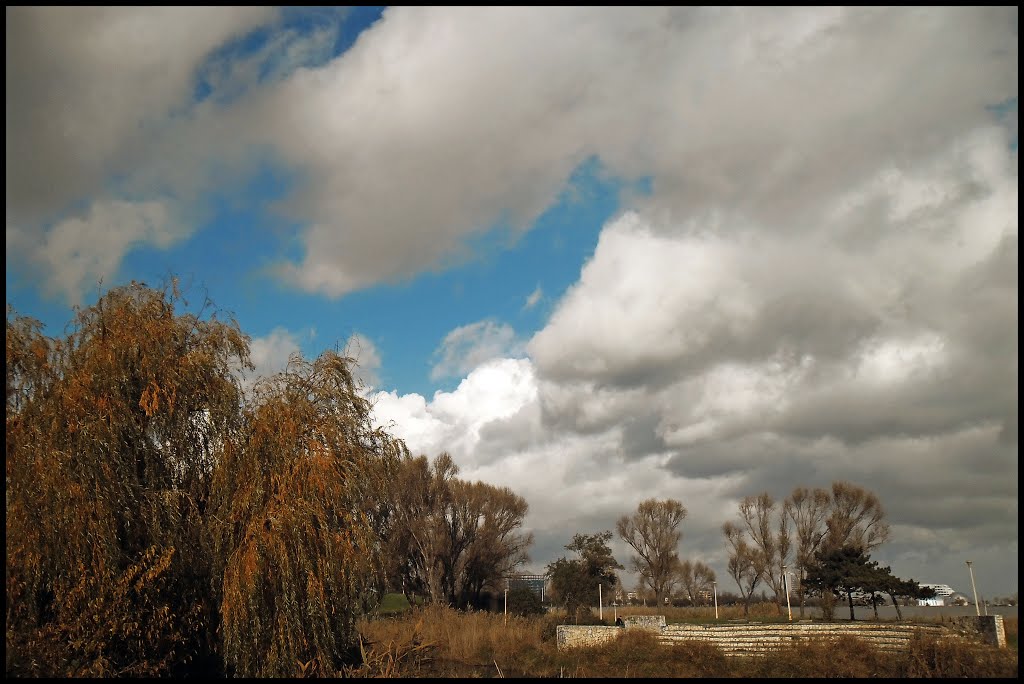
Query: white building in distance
point(942, 592)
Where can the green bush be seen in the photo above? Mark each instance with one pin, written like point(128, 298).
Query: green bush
point(524, 601)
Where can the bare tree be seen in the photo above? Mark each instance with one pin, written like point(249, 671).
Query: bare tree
point(856, 518)
point(808, 510)
point(767, 528)
point(422, 495)
point(453, 538)
point(499, 547)
point(653, 533)
point(695, 578)
point(746, 563)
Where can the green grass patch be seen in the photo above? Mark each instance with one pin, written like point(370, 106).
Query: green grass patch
point(394, 604)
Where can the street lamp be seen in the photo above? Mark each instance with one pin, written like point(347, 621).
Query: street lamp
point(977, 608)
point(714, 585)
point(785, 582)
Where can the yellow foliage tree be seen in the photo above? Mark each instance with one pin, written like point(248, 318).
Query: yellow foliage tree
point(110, 447)
point(296, 502)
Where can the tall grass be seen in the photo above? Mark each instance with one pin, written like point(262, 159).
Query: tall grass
point(436, 637)
point(437, 641)
point(758, 611)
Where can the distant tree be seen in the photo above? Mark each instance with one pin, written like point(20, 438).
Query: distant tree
point(652, 531)
point(746, 563)
point(838, 572)
point(524, 601)
point(499, 546)
point(856, 518)
point(808, 510)
point(898, 590)
point(849, 570)
point(644, 593)
point(416, 540)
point(766, 528)
point(451, 538)
point(845, 514)
point(574, 582)
point(695, 577)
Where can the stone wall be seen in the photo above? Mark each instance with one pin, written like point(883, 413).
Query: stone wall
point(750, 638)
point(573, 636)
point(755, 639)
point(989, 628)
point(654, 622)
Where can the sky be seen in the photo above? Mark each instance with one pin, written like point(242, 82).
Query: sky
point(597, 254)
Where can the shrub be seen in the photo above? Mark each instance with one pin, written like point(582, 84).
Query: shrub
point(524, 601)
point(931, 657)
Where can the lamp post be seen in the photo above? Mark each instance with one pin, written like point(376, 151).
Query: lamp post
point(977, 608)
point(600, 603)
point(785, 582)
point(714, 585)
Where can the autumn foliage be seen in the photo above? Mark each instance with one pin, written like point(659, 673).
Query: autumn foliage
point(164, 521)
point(293, 517)
point(110, 449)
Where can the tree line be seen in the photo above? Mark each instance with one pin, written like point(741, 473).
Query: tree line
point(809, 531)
point(164, 521)
point(823, 535)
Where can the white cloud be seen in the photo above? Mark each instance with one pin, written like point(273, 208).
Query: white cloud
point(101, 111)
point(270, 354)
point(79, 252)
point(533, 298)
point(645, 300)
point(887, 361)
point(367, 359)
point(454, 421)
point(468, 346)
point(728, 396)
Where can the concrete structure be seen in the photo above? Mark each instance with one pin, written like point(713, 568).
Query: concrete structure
point(749, 638)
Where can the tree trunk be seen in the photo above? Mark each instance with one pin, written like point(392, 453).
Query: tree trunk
point(899, 613)
point(849, 598)
point(828, 604)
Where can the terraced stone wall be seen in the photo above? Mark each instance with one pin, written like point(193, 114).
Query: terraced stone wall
point(748, 638)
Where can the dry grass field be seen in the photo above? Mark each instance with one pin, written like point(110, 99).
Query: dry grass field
point(436, 641)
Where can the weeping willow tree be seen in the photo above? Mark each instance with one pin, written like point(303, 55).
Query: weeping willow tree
point(159, 524)
point(111, 439)
point(299, 505)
